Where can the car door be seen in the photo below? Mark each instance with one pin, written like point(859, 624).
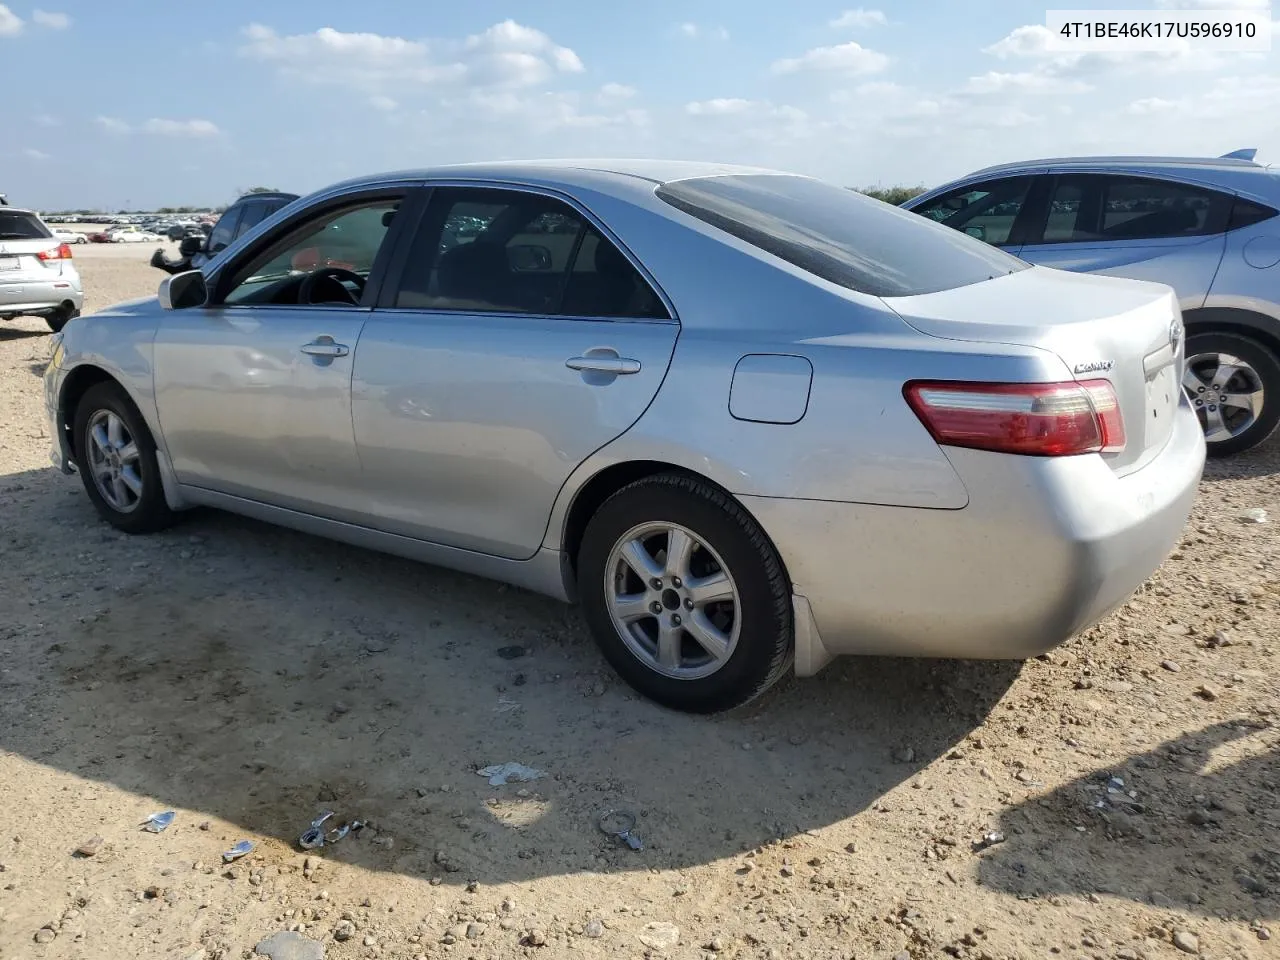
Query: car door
point(994, 211)
point(516, 339)
point(254, 389)
point(1144, 228)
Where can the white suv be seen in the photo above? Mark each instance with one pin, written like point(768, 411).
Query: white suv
point(37, 275)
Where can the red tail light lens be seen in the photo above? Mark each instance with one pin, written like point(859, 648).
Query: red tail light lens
point(61, 252)
point(1033, 419)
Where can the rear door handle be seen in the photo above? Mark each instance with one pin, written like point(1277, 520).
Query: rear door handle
point(325, 347)
point(618, 366)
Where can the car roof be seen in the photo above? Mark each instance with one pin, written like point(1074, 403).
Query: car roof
point(267, 195)
point(8, 209)
point(570, 172)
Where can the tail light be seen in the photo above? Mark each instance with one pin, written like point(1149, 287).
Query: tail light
point(61, 252)
point(1033, 419)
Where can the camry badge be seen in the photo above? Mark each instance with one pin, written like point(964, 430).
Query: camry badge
point(1097, 366)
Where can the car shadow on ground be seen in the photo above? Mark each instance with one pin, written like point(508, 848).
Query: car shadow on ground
point(260, 676)
point(1190, 824)
point(8, 333)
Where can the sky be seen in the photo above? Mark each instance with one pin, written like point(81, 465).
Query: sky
point(139, 103)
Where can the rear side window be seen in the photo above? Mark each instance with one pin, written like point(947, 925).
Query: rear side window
point(1246, 213)
point(15, 225)
point(1092, 208)
point(840, 235)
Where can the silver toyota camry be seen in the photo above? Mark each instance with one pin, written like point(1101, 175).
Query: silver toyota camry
point(748, 420)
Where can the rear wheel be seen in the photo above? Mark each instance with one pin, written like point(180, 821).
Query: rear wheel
point(57, 321)
point(1234, 386)
point(685, 595)
point(116, 458)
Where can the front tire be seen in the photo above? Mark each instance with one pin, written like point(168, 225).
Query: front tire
point(1234, 386)
point(116, 457)
point(685, 595)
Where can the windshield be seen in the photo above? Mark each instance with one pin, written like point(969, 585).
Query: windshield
point(22, 226)
point(840, 235)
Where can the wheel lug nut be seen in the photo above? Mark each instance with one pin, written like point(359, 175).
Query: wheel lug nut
point(688, 604)
point(676, 619)
point(655, 583)
point(656, 607)
point(675, 582)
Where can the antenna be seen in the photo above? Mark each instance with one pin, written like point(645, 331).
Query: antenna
point(1248, 153)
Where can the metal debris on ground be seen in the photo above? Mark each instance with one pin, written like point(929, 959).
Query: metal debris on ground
point(241, 849)
point(1116, 796)
point(503, 773)
point(620, 824)
point(315, 836)
point(157, 822)
point(1254, 515)
point(988, 840)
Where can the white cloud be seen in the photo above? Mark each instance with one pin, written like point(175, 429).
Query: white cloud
point(46, 120)
point(10, 22)
point(859, 19)
point(738, 107)
point(848, 58)
point(1214, 4)
point(718, 107)
point(31, 153)
point(181, 128)
point(506, 54)
point(54, 21)
point(693, 31)
point(111, 124)
point(1148, 105)
point(688, 29)
point(1028, 82)
point(616, 91)
point(384, 103)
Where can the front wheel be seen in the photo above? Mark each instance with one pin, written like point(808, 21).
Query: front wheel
point(1234, 386)
point(116, 458)
point(685, 595)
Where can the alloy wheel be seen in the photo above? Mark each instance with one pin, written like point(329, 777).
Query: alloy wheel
point(114, 461)
point(1226, 393)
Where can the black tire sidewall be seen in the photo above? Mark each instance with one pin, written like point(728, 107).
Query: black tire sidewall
point(1267, 366)
point(765, 637)
point(152, 512)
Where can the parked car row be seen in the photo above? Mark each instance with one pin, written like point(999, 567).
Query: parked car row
point(749, 420)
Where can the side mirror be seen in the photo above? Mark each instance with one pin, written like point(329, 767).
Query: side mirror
point(190, 246)
point(183, 291)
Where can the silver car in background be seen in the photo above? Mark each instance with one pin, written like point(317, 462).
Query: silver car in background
point(748, 420)
point(1209, 228)
point(38, 277)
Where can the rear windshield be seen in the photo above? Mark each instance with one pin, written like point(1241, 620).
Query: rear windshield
point(840, 235)
point(15, 225)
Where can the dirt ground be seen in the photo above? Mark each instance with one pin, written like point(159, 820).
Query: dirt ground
point(248, 678)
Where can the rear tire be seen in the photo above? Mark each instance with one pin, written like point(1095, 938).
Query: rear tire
point(115, 455)
point(57, 321)
point(1258, 375)
point(706, 629)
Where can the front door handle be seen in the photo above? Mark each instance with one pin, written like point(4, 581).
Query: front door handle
point(604, 363)
point(325, 347)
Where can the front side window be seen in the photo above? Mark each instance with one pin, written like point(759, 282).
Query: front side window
point(985, 211)
point(1097, 208)
point(254, 213)
point(509, 251)
point(225, 229)
point(839, 235)
point(327, 260)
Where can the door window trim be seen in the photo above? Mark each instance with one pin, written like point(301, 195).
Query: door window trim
point(412, 205)
point(399, 261)
point(1216, 219)
point(1017, 227)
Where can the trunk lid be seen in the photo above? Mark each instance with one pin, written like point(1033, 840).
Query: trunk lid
point(22, 237)
point(1102, 328)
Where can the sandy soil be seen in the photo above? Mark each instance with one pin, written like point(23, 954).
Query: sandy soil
point(248, 678)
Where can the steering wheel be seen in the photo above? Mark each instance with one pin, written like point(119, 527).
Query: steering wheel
point(334, 277)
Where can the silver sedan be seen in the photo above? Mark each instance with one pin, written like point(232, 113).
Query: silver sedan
point(748, 420)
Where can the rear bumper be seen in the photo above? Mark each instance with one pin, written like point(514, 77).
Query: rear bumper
point(1045, 548)
point(38, 298)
